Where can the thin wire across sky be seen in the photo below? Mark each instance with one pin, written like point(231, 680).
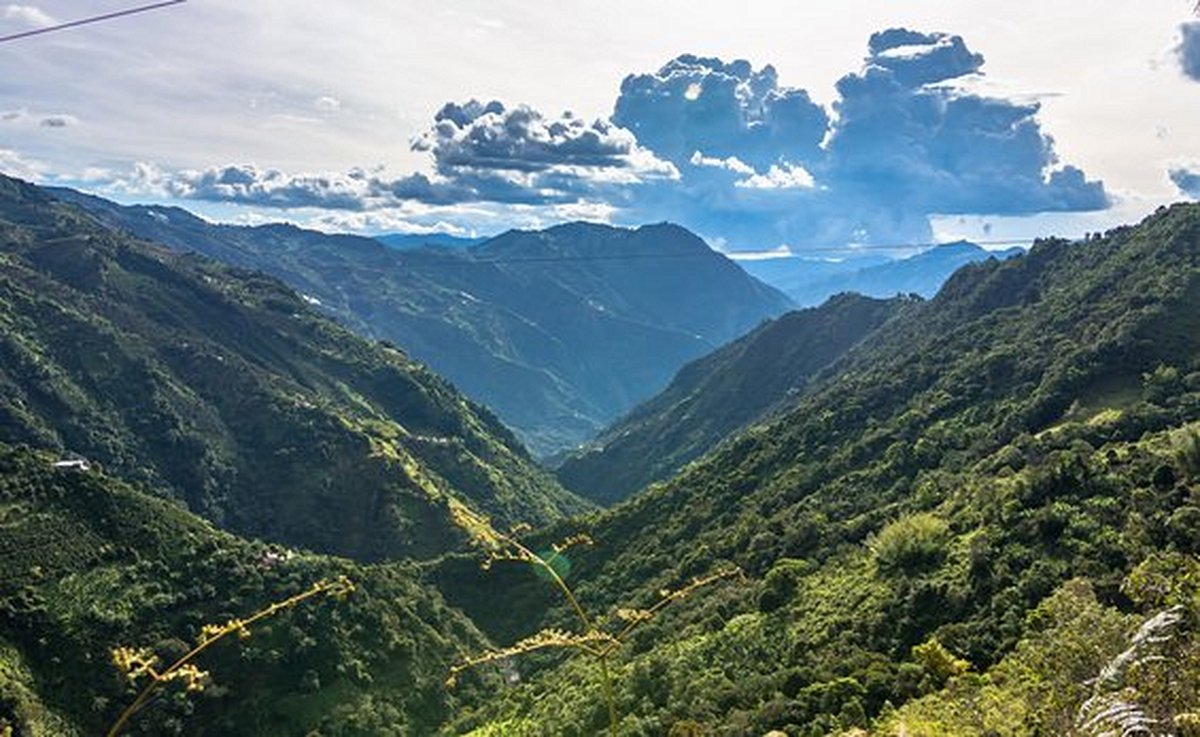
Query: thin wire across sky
point(89, 20)
point(839, 252)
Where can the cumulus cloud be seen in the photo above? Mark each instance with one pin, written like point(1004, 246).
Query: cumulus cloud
point(1189, 49)
point(1187, 179)
point(786, 176)
point(903, 134)
point(27, 15)
point(479, 153)
point(915, 58)
point(907, 139)
point(696, 104)
point(519, 155)
point(721, 147)
point(247, 184)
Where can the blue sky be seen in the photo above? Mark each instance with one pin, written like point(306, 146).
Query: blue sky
point(777, 122)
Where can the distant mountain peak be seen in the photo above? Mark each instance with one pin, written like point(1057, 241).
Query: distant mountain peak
point(558, 350)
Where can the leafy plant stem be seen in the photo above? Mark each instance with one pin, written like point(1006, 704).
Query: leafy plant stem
point(158, 679)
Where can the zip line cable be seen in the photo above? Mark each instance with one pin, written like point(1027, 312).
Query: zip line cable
point(90, 19)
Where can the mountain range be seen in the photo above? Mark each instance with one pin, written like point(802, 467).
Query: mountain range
point(953, 530)
point(226, 390)
point(973, 514)
point(403, 241)
point(714, 397)
point(809, 281)
point(559, 332)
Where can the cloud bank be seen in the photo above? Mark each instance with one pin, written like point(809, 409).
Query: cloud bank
point(904, 142)
point(723, 148)
point(905, 134)
point(1189, 49)
point(1187, 180)
point(479, 153)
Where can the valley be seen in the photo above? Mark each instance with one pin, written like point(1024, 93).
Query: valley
point(611, 369)
point(896, 480)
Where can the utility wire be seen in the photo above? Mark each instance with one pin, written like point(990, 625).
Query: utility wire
point(800, 254)
point(90, 19)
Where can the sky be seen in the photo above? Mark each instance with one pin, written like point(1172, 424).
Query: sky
point(760, 124)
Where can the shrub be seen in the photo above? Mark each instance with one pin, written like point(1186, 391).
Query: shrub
point(911, 544)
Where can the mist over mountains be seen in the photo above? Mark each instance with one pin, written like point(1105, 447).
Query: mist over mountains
point(810, 281)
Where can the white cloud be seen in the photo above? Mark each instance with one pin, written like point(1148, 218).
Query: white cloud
point(16, 165)
point(732, 163)
point(781, 251)
point(326, 104)
point(28, 15)
point(786, 176)
point(158, 88)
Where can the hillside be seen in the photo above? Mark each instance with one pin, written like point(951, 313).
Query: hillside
point(1002, 480)
point(226, 390)
point(559, 332)
point(712, 398)
point(404, 241)
point(809, 282)
point(88, 564)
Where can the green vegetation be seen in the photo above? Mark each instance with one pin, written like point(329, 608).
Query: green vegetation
point(226, 390)
point(714, 397)
point(980, 518)
point(598, 639)
point(88, 565)
point(941, 482)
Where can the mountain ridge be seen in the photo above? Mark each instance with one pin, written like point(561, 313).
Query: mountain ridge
point(89, 563)
point(1022, 442)
point(226, 388)
point(713, 397)
point(809, 282)
point(556, 348)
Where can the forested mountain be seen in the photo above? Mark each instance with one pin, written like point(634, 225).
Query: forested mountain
point(810, 281)
point(227, 390)
point(559, 332)
point(955, 533)
point(727, 390)
point(88, 565)
point(979, 514)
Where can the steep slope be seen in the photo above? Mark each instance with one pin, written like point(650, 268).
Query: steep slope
point(810, 283)
point(660, 275)
point(1037, 421)
point(88, 564)
point(558, 332)
point(226, 389)
point(713, 397)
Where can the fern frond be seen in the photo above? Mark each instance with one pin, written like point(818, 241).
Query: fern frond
point(1113, 709)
